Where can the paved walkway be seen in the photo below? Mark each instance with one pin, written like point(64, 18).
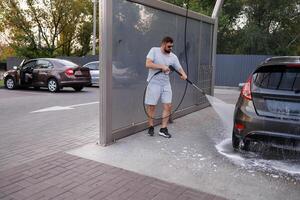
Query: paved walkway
point(64, 176)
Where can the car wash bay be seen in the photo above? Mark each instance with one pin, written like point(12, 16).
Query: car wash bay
point(199, 155)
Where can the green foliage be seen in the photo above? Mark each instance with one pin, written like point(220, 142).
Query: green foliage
point(273, 27)
point(254, 26)
point(45, 28)
point(84, 38)
point(5, 52)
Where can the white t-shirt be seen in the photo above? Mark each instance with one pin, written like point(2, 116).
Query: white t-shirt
point(159, 57)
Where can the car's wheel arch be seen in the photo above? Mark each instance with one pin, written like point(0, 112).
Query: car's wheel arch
point(53, 77)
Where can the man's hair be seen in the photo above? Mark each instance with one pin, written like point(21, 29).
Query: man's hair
point(167, 40)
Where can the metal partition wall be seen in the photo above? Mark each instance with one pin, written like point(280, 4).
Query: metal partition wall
point(129, 30)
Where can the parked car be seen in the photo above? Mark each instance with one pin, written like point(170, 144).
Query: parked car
point(121, 75)
point(94, 71)
point(48, 72)
point(268, 109)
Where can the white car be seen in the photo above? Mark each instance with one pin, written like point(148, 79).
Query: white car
point(120, 75)
point(94, 71)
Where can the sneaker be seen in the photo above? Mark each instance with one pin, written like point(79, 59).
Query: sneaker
point(151, 131)
point(164, 132)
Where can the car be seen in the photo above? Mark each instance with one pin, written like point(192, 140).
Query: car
point(94, 71)
point(121, 75)
point(47, 72)
point(268, 108)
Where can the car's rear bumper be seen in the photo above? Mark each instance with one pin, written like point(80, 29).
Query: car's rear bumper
point(75, 83)
point(95, 80)
point(263, 128)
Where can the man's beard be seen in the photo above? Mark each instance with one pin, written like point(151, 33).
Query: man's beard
point(167, 51)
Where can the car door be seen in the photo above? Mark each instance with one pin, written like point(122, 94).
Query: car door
point(27, 67)
point(41, 72)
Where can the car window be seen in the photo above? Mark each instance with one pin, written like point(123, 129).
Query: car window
point(93, 66)
point(67, 63)
point(43, 64)
point(28, 65)
point(278, 78)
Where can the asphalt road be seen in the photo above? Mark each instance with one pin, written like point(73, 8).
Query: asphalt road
point(26, 136)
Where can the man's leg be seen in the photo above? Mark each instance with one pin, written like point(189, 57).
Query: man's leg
point(151, 113)
point(166, 114)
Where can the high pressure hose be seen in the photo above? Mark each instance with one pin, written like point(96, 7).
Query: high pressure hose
point(187, 71)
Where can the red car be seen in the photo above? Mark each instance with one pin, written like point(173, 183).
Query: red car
point(48, 72)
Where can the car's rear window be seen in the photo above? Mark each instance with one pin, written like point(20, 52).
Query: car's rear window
point(279, 77)
point(67, 63)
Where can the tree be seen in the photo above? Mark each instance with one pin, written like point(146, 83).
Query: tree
point(5, 52)
point(272, 27)
point(254, 26)
point(44, 27)
point(231, 11)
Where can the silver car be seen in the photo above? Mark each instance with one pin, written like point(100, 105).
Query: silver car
point(94, 71)
point(121, 75)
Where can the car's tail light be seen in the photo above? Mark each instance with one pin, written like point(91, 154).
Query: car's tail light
point(246, 90)
point(239, 126)
point(69, 72)
point(293, 65)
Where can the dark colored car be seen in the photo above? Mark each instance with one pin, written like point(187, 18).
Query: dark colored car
point(48, 72)
point(268, 109)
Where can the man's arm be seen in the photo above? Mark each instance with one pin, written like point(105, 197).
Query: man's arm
point(151, 65)
point(182, 72)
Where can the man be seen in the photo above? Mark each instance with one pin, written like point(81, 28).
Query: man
point(159, 59)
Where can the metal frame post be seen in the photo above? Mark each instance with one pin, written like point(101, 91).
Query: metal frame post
point(94, 26)
point(105, 81)
point(215, 16)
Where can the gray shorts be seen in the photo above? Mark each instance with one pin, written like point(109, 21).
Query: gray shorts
point(155, 91)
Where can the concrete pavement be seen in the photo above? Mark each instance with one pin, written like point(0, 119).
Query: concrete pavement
point(34, 165)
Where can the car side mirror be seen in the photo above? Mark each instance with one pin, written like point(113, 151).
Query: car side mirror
point(15, 67)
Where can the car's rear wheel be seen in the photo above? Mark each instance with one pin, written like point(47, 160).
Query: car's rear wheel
point(10, 83)
point(53, 85)
point(237, 144)
point(78, 88)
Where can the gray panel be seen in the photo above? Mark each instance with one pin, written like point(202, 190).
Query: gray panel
point(206, 44)
point(234, 69)
point(137, 28)
point(192, 47)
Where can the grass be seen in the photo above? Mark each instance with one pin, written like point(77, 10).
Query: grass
point(1, 83)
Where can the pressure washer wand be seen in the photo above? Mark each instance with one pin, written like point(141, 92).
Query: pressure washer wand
point(190, 82)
